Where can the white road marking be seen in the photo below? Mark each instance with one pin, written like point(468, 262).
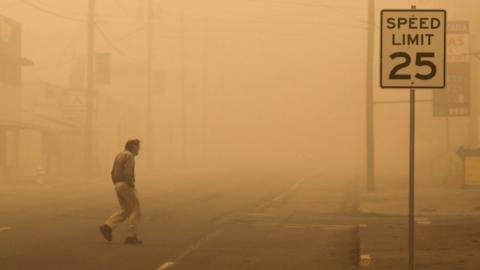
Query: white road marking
point(286, 193)
point(283, 194)
point(196, 245)
point(261, 215)
point(190, 249)
point(328, 227)
point(423, 221)
point(2, 229)
point(209, 236)
point(166, 265)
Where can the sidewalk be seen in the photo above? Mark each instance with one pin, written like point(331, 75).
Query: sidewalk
point(447, 230)
point(428, 202)
point(441, 243)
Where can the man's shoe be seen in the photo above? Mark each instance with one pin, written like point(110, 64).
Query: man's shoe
point(133, 241)
point(106, 232)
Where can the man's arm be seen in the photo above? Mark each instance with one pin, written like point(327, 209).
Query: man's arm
point(129, 170)
point(112, 172)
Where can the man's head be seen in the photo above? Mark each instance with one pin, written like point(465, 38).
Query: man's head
point(133, 146)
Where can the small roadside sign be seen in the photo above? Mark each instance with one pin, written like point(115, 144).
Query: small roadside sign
point(455, 100)
point(413, 48)
point(458, 42)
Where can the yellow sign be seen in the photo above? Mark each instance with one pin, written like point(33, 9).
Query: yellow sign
point(472, 171)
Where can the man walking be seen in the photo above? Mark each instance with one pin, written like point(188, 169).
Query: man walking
point(123, 176)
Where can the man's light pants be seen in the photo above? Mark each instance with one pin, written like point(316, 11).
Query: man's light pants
point(129, 209)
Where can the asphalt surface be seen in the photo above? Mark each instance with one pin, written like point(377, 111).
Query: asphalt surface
point(447, 231)
point(241, 222)
point(441, 243)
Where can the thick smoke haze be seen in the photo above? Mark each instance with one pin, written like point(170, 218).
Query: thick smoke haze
point(238, 85)
point(266, 139)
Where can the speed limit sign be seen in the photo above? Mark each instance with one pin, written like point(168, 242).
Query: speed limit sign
point(413, 48)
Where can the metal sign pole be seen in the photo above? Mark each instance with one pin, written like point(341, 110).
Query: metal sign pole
point(411, 212)
point(401, 38)
point(411, 208)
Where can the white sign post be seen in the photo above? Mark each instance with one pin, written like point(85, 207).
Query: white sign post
point(413, 55)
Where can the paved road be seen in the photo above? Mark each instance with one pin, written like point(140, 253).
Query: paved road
point(242, 222)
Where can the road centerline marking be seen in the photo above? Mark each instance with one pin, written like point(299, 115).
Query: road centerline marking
point(3, 229)
point(196, 245)
point(166, 265)
point(282, 195)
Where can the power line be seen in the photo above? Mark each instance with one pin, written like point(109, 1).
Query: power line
point(60, 10)
point(247, 18)
point(109, 41)
point(100, 30)
point(60, 13)
point(48, 11)
point(307, 22)
point(9, 5)
point(131, 33)
point(337, 9)
point(306, 4)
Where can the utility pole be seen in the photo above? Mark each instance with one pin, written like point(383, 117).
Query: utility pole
point(182, 90)
point(205, 90)
point(90, 95)
point(370, 169)
point(149, 83)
